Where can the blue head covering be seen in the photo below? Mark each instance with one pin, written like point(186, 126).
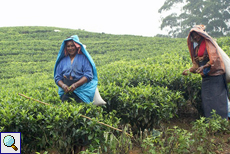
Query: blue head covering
point(86, 91)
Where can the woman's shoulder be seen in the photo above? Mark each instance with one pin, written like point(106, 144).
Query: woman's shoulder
point(83, 58)
point(64, 59)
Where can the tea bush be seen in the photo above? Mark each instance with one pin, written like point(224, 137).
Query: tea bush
point(54, 127)
point(201, 138)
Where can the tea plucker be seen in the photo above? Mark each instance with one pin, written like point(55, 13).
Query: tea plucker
point(75, 72)
point(207, 61)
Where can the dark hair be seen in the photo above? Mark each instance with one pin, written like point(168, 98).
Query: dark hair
point(191, 34)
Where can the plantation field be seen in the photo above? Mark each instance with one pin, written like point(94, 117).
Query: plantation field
point(140, 78)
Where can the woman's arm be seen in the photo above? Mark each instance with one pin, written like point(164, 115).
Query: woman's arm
point(63, 86)
point(192, 69)
point(78, 84)
point(201, 68)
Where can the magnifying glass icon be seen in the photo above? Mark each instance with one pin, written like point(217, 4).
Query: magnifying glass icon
point(9, 141)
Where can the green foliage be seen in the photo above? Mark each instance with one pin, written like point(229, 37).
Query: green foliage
point(117, 144)
point(59, 127)
point(212, 13)
point(157, 91)
point(201, 139)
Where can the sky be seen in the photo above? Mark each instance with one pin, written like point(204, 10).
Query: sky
point(131, 17)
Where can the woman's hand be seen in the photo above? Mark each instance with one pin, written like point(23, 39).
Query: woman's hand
point(77, 84)
point(73, 87)
point(200, 69)
point(65, 88)
point(185, 72)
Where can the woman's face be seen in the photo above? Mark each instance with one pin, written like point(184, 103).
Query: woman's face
point(196, 37)
point(71, 48)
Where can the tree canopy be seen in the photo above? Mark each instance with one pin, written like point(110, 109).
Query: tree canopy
point(214, 14)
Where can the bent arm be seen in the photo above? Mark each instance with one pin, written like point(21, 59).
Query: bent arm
point(80, 82)
point(63, 86)
point(194, 67)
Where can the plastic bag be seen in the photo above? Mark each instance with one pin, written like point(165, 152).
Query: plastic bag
point(97, 100)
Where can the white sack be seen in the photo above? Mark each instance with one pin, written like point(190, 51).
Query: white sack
point(228, 106)
point(97, 100)
point(226, 60)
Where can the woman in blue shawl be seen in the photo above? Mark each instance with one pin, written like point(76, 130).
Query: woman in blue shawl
point(75, 72)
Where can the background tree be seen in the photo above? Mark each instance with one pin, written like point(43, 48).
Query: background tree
point(184, 14)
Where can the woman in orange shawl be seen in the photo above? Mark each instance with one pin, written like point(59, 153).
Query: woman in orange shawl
point(208, 62)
